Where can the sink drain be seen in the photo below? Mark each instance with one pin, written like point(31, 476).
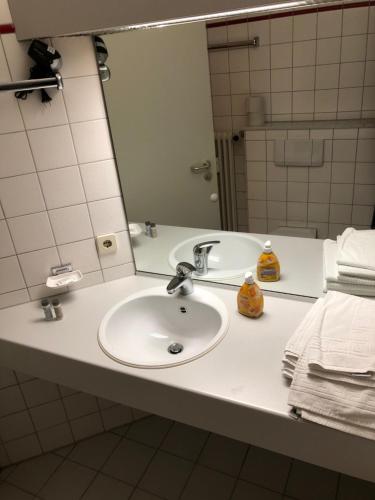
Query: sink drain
point(175, 348)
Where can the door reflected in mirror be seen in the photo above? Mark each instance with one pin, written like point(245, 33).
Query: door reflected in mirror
point(220, 138)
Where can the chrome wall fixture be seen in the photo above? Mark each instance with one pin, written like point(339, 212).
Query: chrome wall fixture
point(101, 57)
point(53, 82)
point(254, 42)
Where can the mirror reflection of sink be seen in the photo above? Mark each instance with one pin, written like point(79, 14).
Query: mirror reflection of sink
point(152, 329)
point(236, 254)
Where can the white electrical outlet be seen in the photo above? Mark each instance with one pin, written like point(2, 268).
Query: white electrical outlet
point(106, 244)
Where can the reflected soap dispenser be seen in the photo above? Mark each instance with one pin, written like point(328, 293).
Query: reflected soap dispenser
point(268, 268)
point(250, 298)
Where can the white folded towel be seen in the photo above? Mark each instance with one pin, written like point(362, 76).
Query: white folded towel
point(346, 284)
point(343, 340)
point(357, 248)
point(306, 334)
point(338, 405)
point(356, 272)
point(300, 338)
point(326, 363)
point(345, 354)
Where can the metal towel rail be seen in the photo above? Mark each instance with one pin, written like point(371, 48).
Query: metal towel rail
point(254, 42)
point(34, 84)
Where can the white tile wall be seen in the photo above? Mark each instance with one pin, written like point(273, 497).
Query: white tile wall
point(339, 193)
point(37, 416)
point(58, 180)
point(318, 52)
point(315, 66)
point(54, 160)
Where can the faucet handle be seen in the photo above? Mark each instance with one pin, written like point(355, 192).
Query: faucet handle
point(205, 246)
point(184, 269)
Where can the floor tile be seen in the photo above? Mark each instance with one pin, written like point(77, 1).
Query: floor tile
point(94, 452)
point(265, 468)
point(33, 474)
point(4, 473)
point(170, 474)
point(223, 454)
point(351, 488)
point(129, 461)
point(64, 452)
point(247, 491)
point(107, 488)
point(9, 492)
point(185, 441)
point(166, 476)
point(206, 483)
point(150, 430)
point(68, 482)
point(143, 495)
point(309, 482)
point(120, 431)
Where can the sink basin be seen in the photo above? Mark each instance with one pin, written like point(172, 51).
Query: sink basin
point(236, 254)
point(152, 329)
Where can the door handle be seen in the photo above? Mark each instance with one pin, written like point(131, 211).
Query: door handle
point(203, 167)
point(197, 168)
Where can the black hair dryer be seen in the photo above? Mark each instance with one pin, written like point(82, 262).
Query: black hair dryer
point(47, 62)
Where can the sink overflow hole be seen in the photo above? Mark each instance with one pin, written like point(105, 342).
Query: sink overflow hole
point(183, 309)
point(175, 348)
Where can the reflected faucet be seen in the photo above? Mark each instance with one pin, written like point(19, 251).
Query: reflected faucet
point(182, 281)
point(201, 251)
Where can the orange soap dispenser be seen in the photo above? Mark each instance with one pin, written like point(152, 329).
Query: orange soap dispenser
point(268, 268)
point(250, 298)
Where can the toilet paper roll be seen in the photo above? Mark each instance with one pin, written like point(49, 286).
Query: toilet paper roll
point(255, 103)
point(255, 109)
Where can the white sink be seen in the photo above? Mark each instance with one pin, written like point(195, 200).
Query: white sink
point(142, 330)
point(236, 254)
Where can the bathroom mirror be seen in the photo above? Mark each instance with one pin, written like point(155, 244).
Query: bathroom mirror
point(242, 131)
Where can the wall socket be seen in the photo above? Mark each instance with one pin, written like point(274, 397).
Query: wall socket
point(106, 244)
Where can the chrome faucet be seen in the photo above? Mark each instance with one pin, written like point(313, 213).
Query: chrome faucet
point(182, 281)
point(201, 252)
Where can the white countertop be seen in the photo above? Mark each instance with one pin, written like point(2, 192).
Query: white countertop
point(236, 389)
point(301, 259)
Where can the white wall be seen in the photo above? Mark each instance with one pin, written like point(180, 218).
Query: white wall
point(338, 194)
point(316, 66)
point(58, 181)
point(58, 189)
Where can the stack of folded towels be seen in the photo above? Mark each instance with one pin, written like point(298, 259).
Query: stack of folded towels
point(349, 263)
point(330, 360)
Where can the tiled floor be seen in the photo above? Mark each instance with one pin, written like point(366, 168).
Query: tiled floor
point(156, 458)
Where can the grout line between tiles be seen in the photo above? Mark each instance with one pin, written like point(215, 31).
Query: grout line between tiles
point(239, 472)
point(284, 492)
point(338, 487)
point(45, 206)
point(195, 462)
point(79, 170)
point(121, 440)
point(151, 459)
point(6, 221)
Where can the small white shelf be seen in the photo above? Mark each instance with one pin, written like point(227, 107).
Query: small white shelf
point(315, 124)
